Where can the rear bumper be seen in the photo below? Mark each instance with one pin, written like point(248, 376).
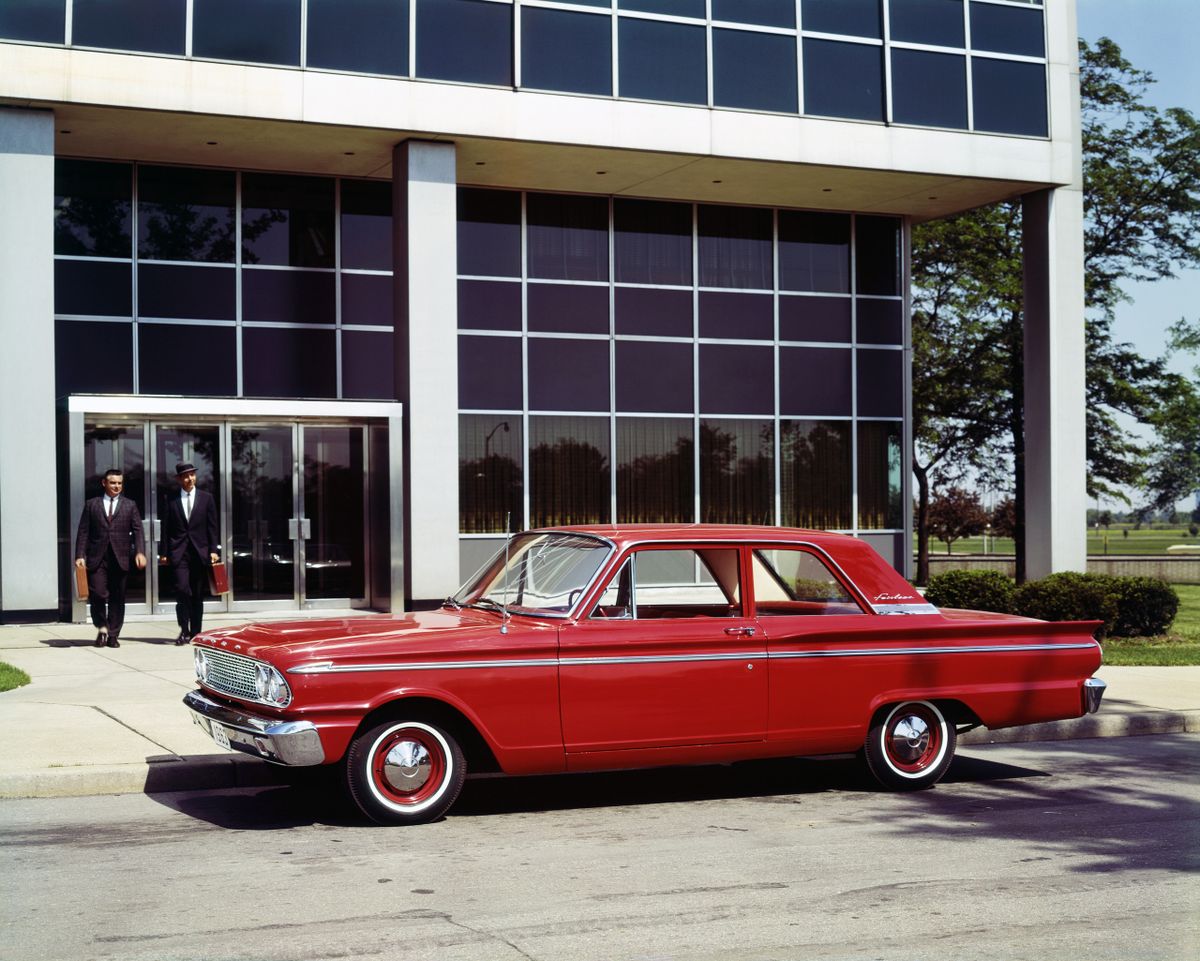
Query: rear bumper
point(1093, 692)
point(294, 743)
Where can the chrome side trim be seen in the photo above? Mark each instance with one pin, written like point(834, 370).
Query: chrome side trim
point(1093, 692)
point(328, 667)
point(883, 651)
point(665, 658)
point(905, 609)
point(295, 743)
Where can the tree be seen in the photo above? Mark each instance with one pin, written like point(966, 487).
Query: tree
point(1174, 469)
point(956, 513)
point(1141, 172)
point(1004, 518)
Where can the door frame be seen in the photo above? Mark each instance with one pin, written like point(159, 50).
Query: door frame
point(187, 411)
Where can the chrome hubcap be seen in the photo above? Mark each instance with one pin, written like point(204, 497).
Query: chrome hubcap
point(407, 766)
point(910, 738)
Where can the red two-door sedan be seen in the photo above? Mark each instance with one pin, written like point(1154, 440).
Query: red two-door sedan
point(593, 648)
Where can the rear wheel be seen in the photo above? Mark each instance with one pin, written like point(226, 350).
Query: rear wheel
point(405, 772)
point(910, 745)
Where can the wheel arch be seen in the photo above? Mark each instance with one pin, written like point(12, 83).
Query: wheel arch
point(480, 757)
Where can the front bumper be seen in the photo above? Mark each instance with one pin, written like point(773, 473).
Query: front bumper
point(294, 743)
point(1093, 691)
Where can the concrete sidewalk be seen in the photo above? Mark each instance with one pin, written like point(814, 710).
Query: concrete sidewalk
point(104, 721)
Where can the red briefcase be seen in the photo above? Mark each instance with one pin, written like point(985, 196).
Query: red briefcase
point(218, 578)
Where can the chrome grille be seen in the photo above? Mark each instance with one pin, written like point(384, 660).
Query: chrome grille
point(230, 674)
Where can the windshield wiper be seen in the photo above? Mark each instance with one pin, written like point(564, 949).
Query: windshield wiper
point(487, 604)
point(451, 602)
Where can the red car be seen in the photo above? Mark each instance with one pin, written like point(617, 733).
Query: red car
point(590, 648)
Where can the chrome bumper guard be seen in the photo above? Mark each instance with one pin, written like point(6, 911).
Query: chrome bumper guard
point(294, 743)
point(1093, 691)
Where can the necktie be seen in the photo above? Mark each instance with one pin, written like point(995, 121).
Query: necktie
point(110, 508)
point(187, 506)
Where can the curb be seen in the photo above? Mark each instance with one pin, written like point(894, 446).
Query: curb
point(1090, 726)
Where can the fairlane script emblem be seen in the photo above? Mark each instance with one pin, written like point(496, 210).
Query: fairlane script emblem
point(892, 597)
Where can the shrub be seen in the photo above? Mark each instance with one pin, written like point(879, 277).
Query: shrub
point(1146, 606)
point(1069, 596)
point(972, 590)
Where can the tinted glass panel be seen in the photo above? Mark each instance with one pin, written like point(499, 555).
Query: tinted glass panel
point(652, 242)
point(737, 316)
point(566, 51)
point(489, 305)
point(287, 220)
point(568, 309)
point(754, 71)
point(674, 8)
point(567, 236)
point(843, 80)
point(880, 383)
point(652, 312)
point(815, 478)
point(288, 296)
point(878, 255)
point(211, 359)
point(654, 378)
point(735, 247)
point(368, 365)
point(489, 232)
point(814, 251)
point(936, 22)
point(570, 475)
point(880, 322)
point(157, 26)
point(99, 288)
point(859, 18)
point(257, 31)
point(768, 13)
point(186, 214)
point(289, 363)
point(568, 374)
point(880, 503)
point(737, 472)
point(43, 21)
point(92, 358)
point(367, 299)
point(814, 381)
point(489, 373)
point(366, 36)
point(736, 379)
point(929, 89)
point(489, 473)
point(465, 40)
point(654, 470)
point(92, 203)
point(203, 293)
point(1007, 30)
point(663, 61)
point(367, 224)
point(1009, 97)
point(822, 319)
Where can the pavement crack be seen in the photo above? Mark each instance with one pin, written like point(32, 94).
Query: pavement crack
point(487, 934)
point(113, 717)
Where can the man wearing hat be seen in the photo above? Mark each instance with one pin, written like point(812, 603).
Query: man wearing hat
point(191, 545)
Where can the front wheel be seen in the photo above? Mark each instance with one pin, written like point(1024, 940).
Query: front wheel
point(910, 746)
point(405, 772)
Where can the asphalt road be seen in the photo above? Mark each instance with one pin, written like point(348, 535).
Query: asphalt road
point(1070, 849)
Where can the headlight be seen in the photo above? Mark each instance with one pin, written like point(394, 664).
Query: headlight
point(270, 686)
point(201, 661)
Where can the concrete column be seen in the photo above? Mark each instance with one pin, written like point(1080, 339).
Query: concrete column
point(425, 237)
point(1055, 389)
point(29, 557)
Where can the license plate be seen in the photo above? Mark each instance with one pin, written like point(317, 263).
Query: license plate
point(219, 735)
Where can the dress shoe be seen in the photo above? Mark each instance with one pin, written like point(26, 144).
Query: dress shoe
point(101, 637)
point(113, 642)
point(182, 639)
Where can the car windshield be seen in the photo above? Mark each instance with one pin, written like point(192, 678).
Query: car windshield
point(546, 573)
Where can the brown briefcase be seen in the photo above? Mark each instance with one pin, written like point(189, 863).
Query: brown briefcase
point(81, 588)
point(218, 578)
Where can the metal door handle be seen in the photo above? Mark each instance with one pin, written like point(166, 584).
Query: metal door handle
point(293, 528)
point(305, 528)
point(740, 631)
point(157, 529)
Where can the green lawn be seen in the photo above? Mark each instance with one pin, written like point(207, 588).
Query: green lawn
point(10, 677)
point(1116, 540)
point(1180, 646)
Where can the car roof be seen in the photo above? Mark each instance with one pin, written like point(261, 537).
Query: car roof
point(625, 534)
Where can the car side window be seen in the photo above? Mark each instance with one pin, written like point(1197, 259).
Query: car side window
point(692, 582)
point(792, 581)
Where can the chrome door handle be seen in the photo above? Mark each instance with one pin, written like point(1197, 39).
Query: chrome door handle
point(293, 528)
point(740, 631)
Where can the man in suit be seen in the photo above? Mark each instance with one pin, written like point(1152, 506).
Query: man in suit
point(110, 529)
point(191, 545)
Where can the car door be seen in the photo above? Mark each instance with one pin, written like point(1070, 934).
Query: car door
point(666, 658)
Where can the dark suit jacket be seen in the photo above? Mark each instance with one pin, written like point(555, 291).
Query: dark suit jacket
point(96, 533)
point(202, 531)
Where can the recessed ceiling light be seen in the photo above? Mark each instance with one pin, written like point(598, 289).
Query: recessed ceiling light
point(718, 181)
point(211, 143)
point(64, 131)
point(348, 153)
point(826, 190)
point(601, 173)
point(933, 198)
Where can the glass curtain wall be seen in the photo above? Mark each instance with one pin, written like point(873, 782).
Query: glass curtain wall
point(644, 361)
point(960, 64)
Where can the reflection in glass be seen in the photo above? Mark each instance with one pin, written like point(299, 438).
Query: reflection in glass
point(859, 18)
point(570, 476)
point(877, 245)
point(814, 251)
point(735, 247)
point(364, 36)
point(254, 31)
point(567, 237)
point(465, 40)
point(843, 80)
point(263, 554)
point(737, 472)
point(566, 51)
point(754, 71)
point(767, 13)
point(334, 506)
point(662, 61)
point(929, 89)
point(674, 8)
point(1007, 30)
point(815, 475)
point(1010, 97)
point(287, 220)
point(186, 214)
point(489, 232)
point(880, 497)
point(124, 448)
point(935, 22)
point(366, 224)
point(176, 445)
point(490, 486)
point(655, 482)
point(92, 203)
point(652, 242)
point(155, 26)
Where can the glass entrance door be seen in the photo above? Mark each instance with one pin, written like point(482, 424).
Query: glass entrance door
point(263, 529)
point(335, 514)
point(122, 446)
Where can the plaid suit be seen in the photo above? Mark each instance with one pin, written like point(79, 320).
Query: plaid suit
point(107, 547)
